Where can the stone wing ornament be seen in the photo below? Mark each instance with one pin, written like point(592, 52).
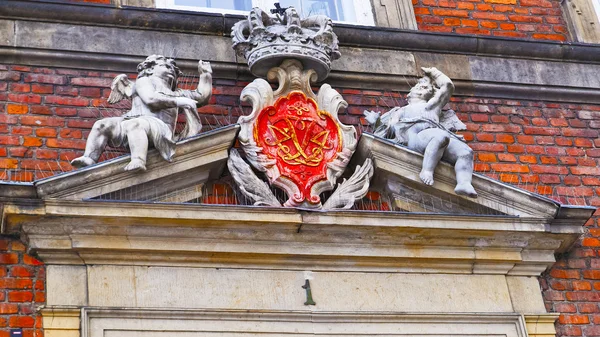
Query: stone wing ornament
point(450, 121)
point(121, 88)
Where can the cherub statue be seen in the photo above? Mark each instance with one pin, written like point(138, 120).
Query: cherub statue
point(424, 127)
point(156, 103)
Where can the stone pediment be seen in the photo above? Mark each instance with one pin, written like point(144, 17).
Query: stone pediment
point(196, 160)
point(397, 174)
point(201, 160)
point(504, 231)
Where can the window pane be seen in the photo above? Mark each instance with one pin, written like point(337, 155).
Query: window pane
point(596, 4)
point(240, 5)
point(337, 10)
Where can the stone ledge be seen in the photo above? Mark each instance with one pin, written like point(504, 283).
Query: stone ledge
point(76, 232)
point(196, 159)
point(473, 75)
point(308, 323)
point(360, 36)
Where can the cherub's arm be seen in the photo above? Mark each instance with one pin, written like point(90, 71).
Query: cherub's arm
point(156, 100)
point(445, 88)
point(204, 90)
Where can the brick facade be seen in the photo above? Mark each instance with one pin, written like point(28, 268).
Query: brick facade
point(549, 148)
point(22, 289)
point(527, 19)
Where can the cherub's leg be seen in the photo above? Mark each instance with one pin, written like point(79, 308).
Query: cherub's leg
point(432, 143)
point(462, 156)
point(137, 137)
point(102, 131)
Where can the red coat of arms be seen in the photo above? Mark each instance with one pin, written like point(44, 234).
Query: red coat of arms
point(295, 136)
point(301, 139)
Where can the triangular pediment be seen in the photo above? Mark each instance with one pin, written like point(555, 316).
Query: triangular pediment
point(505, 230)
point(200, 163)
point(196, 160)
point(397, 174)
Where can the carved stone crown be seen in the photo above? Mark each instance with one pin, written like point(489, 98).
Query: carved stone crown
point(266, 41)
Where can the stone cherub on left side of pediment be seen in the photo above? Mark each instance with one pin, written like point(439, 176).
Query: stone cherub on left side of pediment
point(156, 104)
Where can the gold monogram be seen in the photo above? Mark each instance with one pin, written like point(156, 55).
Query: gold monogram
point(298, 108)
point(298, 133)
point(297, 155)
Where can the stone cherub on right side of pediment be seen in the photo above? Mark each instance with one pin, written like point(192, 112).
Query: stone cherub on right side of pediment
point(424, 127)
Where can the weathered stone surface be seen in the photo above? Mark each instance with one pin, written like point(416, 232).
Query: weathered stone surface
point(535, 72)
point(7, 32)
point(206, 153)
point(366, 60)
point(406, 164)
point(61, 322)
point(162, 323)
point(541, 325)
point(525, 294)
point(139, 3)
point(456, 67)
point(126, 286)
point(66, 285)
point(584, 22)
point(395, 14)
point(122, 41)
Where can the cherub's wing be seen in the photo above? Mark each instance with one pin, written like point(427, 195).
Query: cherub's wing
point(121, 87)
point(450, 121)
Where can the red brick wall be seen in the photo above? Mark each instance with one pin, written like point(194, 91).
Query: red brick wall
point(572, 286)
point(550, 148)
point(529, 19)
point(22, 289)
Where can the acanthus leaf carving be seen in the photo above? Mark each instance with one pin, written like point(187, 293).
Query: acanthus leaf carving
point(352, 189)
point(250, 185)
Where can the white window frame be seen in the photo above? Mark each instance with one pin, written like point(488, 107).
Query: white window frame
point(596, 4)
point(362, 8)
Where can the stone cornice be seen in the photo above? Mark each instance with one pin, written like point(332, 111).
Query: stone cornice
point(373, 57)
point(80, 232)
point(349, 35)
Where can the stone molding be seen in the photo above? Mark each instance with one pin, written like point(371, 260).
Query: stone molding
point(204, 154)
point(474, 76)
point(337, 78)
point(61, 322)
point(378, 57)
point(360, 36)
point(541, 325)
point(79, 232)
point(520, 240)
point(96, 321)
point(66, 321)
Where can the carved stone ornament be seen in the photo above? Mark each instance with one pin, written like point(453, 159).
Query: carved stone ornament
point(156, 104)
point(297, 140)
point(423, 126)
point(266, 41)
